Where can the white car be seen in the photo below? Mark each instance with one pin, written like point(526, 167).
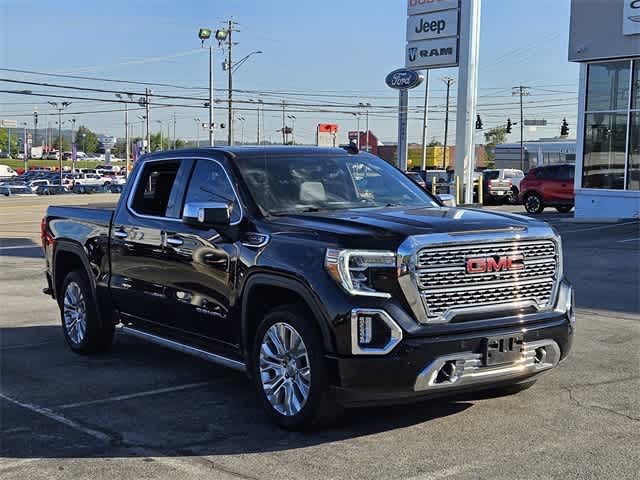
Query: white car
point(89, 179)
point(34, 184)
point(7, 171)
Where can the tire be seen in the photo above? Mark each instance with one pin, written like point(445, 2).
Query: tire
point(83, 330)
point(564, 208)
point(272, 366)
point(533, 203)
point(512, 199)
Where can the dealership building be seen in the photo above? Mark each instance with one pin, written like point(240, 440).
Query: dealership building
point(605, 40)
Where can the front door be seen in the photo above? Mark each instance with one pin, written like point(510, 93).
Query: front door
point(203, 261)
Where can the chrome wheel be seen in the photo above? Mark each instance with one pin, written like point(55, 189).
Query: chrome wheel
point(285, 372)
point(75, 313)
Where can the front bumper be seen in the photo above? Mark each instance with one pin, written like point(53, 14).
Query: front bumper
point(409, 372)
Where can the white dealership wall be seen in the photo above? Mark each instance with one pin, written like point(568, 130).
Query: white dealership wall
point(596, 34)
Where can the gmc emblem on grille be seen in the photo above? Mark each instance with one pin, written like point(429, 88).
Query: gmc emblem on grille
point(506, 263)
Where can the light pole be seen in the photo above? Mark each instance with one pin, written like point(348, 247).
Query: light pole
point(126, 129)
point(24, 146)
point(142, 120)
point(198, 126)
point(84, 144)
point(357, 115)
point(293, 128)
point(259, 103)
point(73, 143)
point(60, 107)
point(448, 81)
point(161, 146)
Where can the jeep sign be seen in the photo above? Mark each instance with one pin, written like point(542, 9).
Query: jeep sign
point(403, 79)
point(432, 25)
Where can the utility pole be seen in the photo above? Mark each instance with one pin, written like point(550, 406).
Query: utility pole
point(147, 91)
point(198, 121)
point(521, 91)
point(229, 66)
point(366, 133)
point(284, 138)
point(424, 120)
point(448, 81)
point(293, 128)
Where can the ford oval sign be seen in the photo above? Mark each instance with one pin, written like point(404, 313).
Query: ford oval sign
point(403, 79)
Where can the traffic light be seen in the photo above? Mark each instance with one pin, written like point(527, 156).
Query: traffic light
point(509, 125)
point(564, 128)
point(478, 122)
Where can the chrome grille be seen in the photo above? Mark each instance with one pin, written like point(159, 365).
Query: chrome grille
point(446, 287)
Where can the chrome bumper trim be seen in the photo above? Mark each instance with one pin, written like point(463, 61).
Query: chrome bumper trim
point(470, 371)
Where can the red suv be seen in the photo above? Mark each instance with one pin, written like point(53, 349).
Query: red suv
point(548, 186)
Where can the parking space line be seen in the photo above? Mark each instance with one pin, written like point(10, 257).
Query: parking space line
point(147, 393)
point(600, 227)
point(18, 247)
point(28, 345)
point(57, 418)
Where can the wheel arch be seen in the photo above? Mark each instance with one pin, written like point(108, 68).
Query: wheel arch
point(67, 257)
point(274, 290)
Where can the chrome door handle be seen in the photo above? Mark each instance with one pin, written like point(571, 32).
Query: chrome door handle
point(174, 241)
point(120, 234)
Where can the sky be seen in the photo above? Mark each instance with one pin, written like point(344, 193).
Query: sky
point(334, 53)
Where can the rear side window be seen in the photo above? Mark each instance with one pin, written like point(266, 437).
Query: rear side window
point(153, 191)
point(210, 183)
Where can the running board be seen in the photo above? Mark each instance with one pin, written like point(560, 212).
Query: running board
point(181, 347)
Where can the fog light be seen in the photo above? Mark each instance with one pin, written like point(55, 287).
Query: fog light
point(365, 330)
point(373, 332)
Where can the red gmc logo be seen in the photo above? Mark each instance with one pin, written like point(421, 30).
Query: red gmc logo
point(495, 264)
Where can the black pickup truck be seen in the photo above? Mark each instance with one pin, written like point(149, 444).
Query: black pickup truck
point(328, 276)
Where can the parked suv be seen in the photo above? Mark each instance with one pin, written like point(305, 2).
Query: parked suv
point(548, 186)
point(330, 278)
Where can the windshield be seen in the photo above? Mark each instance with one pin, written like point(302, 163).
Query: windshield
point(491, 174)
point(290, 184)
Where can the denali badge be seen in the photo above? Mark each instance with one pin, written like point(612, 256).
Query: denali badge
point(495, 264)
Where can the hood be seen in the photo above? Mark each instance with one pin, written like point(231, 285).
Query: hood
point(399, 222)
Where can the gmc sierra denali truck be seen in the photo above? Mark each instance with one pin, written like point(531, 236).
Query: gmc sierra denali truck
point(328, 276)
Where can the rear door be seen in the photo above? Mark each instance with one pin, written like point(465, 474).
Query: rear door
point(565, 190)
point(139, 271)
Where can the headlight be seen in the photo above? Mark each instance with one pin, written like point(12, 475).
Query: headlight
point(355, 270)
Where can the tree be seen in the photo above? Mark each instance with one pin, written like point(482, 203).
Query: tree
point(434, 143)
point(88, 143)
point(4, 134)
point(494, 137)
point(66, 145)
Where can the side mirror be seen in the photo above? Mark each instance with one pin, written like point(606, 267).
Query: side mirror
point(207, 214)
point(447, 199)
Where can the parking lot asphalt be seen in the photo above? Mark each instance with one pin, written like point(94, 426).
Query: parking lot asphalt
point(141, 411)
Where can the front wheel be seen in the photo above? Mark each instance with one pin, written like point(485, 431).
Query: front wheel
point(533, 203)
point(290, 370)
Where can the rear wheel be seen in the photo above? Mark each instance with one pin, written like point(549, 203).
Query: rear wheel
point(512, 199)
point(533, 203)
point(290, 371)
point(564, 208)
point(83, 330)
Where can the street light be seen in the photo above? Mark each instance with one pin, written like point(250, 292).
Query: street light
point(198, 127)
point(259, 104)
point(126, 126)
point(161, 146)
point(60, 106)
point(244, 59)
point(357, 115)
point(293, 128)
point(205, 34)
point(242, 119)
point(366, 106)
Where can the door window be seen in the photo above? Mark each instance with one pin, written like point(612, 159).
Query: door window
point(210, 183)
point(153, 191)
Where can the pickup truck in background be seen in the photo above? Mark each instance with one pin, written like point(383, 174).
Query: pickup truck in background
point(502, 185)
point(327, 276)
